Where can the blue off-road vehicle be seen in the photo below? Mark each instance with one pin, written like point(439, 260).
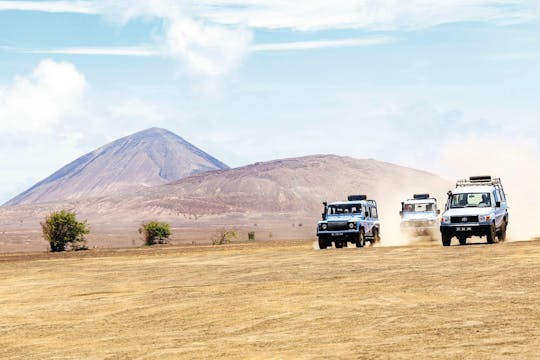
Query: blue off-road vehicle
point(353, 221)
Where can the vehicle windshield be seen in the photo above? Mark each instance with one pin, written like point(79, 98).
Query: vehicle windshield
point(470, 200)
point(344, 209)
point(425, 207)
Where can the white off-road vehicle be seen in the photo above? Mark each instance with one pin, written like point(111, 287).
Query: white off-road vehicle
point(355, 221)
point(419, 216)
point(476, 207)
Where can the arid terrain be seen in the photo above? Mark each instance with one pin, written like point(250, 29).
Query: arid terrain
point(273, 300)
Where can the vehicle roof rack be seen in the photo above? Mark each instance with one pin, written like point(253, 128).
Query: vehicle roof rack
point(480, 180)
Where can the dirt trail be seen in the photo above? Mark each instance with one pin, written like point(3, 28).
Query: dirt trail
point(273, 300)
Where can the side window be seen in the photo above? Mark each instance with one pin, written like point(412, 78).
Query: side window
point(374, 213)
point(502, 195)
point(496, 196)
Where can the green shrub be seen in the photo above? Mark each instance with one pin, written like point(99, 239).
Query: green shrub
point(155, 232)
point(61, 229)
point(224, 236)
point(251, 235)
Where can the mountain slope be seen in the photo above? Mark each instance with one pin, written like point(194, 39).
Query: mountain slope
point(147, 158)
point(289, 185)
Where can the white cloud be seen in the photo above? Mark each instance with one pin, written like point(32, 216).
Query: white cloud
point(39, 101)
point(206, 49)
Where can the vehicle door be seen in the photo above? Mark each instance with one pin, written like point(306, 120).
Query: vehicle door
point(368, 226)
point(499, 211)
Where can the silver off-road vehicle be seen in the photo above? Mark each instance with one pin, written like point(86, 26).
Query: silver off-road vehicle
point(355, 221)
point(419, 216)
point(476, 207)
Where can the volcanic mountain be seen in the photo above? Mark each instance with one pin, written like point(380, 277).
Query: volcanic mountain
point(147, 158)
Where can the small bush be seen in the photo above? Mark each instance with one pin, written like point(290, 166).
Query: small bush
point(155, 233)
point(251, 235)
point(61, 229)
point(224, 236)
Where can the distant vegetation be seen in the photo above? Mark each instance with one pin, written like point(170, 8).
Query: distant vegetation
point(224, 236)
point(155, 233)
point(63, 231)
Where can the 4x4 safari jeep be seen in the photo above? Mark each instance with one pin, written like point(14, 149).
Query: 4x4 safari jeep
point(476, 207)
point(355, 221)
point(419, 216)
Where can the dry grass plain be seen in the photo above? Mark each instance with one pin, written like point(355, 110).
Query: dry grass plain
point(273, 300)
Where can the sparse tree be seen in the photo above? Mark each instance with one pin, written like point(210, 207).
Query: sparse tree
point(155, 233)
point(62, 230)
point(224, 236)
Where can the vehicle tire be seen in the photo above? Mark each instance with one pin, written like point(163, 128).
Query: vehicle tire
point(446, 240)
point(462, 241)
point(491, 235)
point(376, 236)
point(361, 240)
point(502, 234)
point(322, 243)
point(345, 244)
point(339, 244)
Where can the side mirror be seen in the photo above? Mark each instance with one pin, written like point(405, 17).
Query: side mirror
point(498, 204)
point(366, 214)
point(438, 212)
point(401, 213)
point(323, 216)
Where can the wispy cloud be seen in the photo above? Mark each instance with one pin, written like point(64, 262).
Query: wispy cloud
point(79, 7)
point(146, 51)
point(103, 51)
point(211, 37)
point(321, 44)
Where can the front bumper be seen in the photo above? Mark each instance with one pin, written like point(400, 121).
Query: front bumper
point(466, 229)
point(339, 233)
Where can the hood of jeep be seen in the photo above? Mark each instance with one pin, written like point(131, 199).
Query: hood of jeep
point(468, 211)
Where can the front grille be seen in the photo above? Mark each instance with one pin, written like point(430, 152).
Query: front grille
point(338, 226)
point(464, 219)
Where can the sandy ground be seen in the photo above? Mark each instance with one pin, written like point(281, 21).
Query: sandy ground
point(273, 300)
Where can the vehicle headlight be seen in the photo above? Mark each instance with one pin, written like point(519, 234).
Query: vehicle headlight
point(352, 225)
point(324, 226)
point(445, 219)
point(482, 218)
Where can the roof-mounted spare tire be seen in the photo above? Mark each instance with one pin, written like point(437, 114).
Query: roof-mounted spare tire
point(357, 197)
point(480, 178)
point(421, 196)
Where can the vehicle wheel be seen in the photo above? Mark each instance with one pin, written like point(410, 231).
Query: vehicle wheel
point(322, 243)
point(502, 236)
point(339, 244)
point(361, 240)
point(345, 244)
point(376, 236)
point(446, 240)
point(491, 236)
point(462, 241)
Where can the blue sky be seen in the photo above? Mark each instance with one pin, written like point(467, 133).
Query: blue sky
point(254, 80)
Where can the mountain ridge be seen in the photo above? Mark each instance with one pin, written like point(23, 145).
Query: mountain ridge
point(149, 157)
